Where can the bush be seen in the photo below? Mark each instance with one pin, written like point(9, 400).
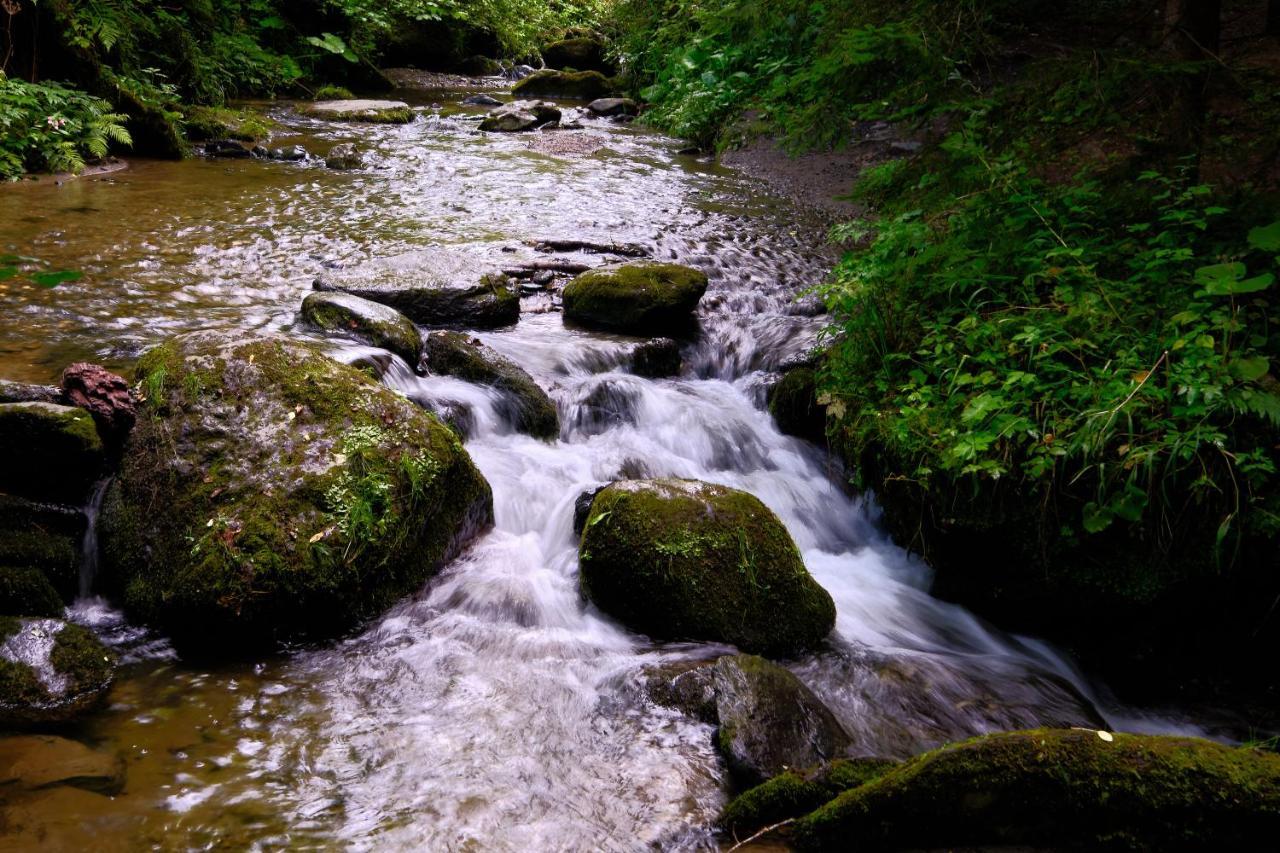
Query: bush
point(48, 127)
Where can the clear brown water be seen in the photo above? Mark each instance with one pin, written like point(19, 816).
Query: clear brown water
point(494, 710)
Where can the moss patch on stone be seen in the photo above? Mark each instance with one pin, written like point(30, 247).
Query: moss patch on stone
point(640, 297)
point(53, 452)
point(43, 536)
point(1061, 788)
point(207, 123)
point(368, 321)
point(680, 559)
point(797, 792)
point(454, 354)
point(25, 591)
point(361, 110)
point(578, 85)
point(87, 666)
point(269, 492)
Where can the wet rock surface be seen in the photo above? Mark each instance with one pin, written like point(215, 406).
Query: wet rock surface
point(519, 116)
point(362, 109)
point(375, 324)
point(50, 671)
point(530, 409)
point(32, 762)
point(433, 288)
point(636, 297)
point(345, 157)
point(50, 451)
point(104, 395)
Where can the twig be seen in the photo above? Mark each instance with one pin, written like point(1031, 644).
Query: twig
point(764, 831)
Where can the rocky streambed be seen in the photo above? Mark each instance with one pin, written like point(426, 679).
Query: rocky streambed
point(435, 503)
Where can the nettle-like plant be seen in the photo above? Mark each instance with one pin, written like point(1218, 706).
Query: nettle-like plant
point(48, 127)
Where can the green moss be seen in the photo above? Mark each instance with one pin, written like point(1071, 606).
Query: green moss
point(795, 793)
point(25, 591)
point(581, 85)
point(55, 452)
point(681, 559)
point(79, 655)
point(638, 297)
point(19, 686)
point(1061, 788)
point(376, 324)
point(453, 354)
point(584, 53)
point(299, 497)
point(793, 402)
point(332, 93)
point(204, 123)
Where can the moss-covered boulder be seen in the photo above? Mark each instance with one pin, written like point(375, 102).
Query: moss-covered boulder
point(770, 721)
point(794, 793)
point(375, 324)
point(582, 53)
point(793, 402)
point(685, 686)
point(639, 297)
point(44, 536)
point(528, 407)
point(50, 671)
point(203, 124)
point(361, 109)
point(50, 451)
point(25, 591)
point(269, 492)
point(1054, 788)
point(681, 559)
point(656, 359)
point(575, 85)
point(433, 288)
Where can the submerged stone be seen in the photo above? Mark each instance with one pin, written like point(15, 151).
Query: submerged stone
point(50, 671)
point(345, 157)
point(49, 452)
point(375, 324)
point(520, 116)
point(681, 559)
point(433, 288)
point(638, 297)
point(656, 359)
point(1061, 788)
point(269, 492)
point(31, 762)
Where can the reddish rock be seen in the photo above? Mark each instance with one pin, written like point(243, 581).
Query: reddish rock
point(103, 394)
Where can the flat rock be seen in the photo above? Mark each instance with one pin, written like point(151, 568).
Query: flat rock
point(433, 287)
point(362, 109)
point(371, 322)
point(43, 761)
point(613, 107)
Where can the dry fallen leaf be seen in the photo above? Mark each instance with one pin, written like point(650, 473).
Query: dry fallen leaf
point(1107, 736)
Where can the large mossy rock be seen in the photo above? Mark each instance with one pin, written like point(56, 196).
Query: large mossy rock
point(50, 671)
point(25, 591)
point(640, 297)
point(528, 407)
point(582, 53)
point(375, 324)
point(44, 536)
point(433, 288)
point(681, 559)
point(795, 793)
point(269, 492)
point(770, 721)
point(576, 85)
point(1055, 788)
point(50, 452)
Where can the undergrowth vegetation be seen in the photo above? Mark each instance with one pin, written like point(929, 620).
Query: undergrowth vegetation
point(1054, 327)
point(48, 127)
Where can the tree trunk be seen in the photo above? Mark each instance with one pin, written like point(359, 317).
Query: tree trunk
point(1192, 29)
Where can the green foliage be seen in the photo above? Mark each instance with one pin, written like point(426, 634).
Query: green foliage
point(333, 93)
point(1074, 337)
point(48, 127)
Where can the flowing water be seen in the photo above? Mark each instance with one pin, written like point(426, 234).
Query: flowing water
point(494, 710)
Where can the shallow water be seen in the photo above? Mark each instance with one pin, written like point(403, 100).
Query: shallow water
point(495, 710)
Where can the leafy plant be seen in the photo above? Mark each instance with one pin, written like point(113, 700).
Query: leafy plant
point(48, 127)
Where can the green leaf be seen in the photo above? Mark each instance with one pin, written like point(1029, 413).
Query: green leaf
point(1130, 504)
point(7, 272)
point(1096, 518)
point(1218, 273)
point(1266, 238)
point(53, 279)
point(1250, 368)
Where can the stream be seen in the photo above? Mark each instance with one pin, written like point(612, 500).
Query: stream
point(495, 710)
